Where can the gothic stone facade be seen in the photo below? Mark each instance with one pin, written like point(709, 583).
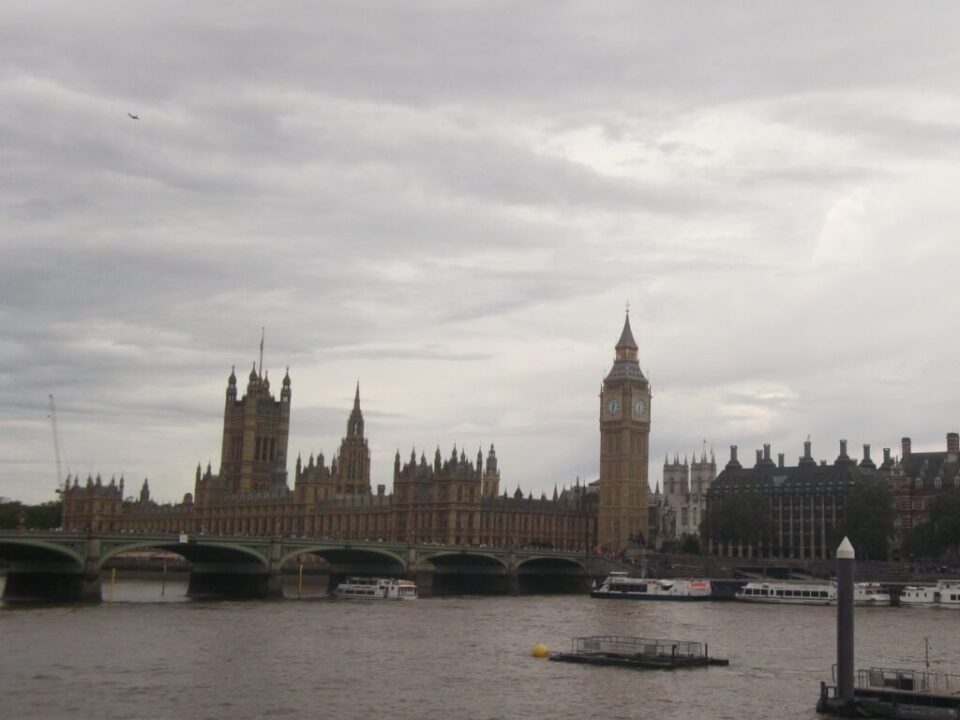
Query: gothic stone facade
point(684, 499)
point(451, 500)
point(625, 399)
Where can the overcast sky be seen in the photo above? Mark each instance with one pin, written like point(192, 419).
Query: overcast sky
point(452, 202)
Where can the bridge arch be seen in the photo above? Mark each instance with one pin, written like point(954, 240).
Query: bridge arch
point(446, 556)
point(199, 551)
point(551, 561)
point(27, 549)
point(334, 553)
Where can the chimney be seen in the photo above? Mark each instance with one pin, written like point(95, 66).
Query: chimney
point(766, 452)
point(953, 446)
point(733, 457)
point(381, 490)
point(886, 456)
point(867, 462)
point(905, 448)
point(779, 460)
point(866, 451)
point(759, 457)
point(843, 447)
point(807, 458)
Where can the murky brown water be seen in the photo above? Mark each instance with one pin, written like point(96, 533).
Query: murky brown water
point(146, 656)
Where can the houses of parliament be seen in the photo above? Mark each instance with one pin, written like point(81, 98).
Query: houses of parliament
point(449, 498)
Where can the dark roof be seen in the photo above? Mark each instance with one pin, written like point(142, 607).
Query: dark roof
point(928, 466)
point(799, 478)
point(626, 337)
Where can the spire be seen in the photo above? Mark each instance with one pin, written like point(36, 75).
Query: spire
point(625, 365)
point(626, 340)
point(355, 423)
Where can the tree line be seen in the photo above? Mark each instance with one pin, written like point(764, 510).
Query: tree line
point(14, 515)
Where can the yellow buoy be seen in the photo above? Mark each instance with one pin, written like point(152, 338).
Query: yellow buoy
point(540, 651)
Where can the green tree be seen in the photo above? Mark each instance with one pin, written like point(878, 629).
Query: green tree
point(10, 513)
point(15, 514)
point(689, 545)
point(44, 516)
point(921, 542)
point(944, 514)
point(739, 518)
point(868, 519)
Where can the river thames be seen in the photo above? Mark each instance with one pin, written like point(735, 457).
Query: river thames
point(143, 655)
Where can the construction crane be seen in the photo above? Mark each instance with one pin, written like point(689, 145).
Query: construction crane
point(56, 444)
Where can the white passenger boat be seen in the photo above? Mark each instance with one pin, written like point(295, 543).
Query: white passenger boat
point(946, 593)
point(619, 584)
point(810, 593)
point(369, 588)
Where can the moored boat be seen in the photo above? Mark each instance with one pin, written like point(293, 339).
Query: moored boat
point(370, 588)
point(619, 585)
point(946, 593)
point(810, 593)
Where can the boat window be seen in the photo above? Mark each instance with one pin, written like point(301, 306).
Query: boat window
point(806, 593)
point(779, 593)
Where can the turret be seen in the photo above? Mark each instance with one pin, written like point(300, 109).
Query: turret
point(285, 392)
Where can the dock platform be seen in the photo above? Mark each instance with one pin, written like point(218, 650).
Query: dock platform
point(896, 693)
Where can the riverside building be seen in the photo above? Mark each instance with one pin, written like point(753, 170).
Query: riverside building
point(803, 503)
point(450, 498)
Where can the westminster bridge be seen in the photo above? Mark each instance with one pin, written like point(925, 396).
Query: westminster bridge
point(66, 567)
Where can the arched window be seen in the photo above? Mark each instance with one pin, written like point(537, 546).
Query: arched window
point(918, 483)
point(937, 483)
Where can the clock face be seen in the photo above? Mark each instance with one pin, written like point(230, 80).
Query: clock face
point(613, 407)
point(639, 407)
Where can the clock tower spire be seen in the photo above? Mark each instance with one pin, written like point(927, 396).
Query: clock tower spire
point(624, 448)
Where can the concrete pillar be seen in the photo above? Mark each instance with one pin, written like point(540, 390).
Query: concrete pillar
point(274, 572)
point(846, 566)
point(90, 588)
point(513, 577)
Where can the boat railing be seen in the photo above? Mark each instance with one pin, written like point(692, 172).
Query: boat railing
point(919, 681)
point(629, 646)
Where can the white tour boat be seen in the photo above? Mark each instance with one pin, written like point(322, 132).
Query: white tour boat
point(946, 593)
point(369, 588)
point(619, 584)
point(810, 593)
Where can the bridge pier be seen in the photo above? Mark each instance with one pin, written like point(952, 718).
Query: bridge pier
point(50, 583)
point(56, 581)
point(274, 574)
point(229, 581)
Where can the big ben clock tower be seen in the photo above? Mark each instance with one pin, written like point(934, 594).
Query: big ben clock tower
point(624, 448)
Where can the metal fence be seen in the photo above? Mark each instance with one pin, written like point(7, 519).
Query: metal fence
point(627, 646)
point(909, 680)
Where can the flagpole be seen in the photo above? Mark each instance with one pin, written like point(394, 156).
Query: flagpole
point(263, 334)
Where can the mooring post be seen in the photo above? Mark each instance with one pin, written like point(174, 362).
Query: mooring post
point(846, 566)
